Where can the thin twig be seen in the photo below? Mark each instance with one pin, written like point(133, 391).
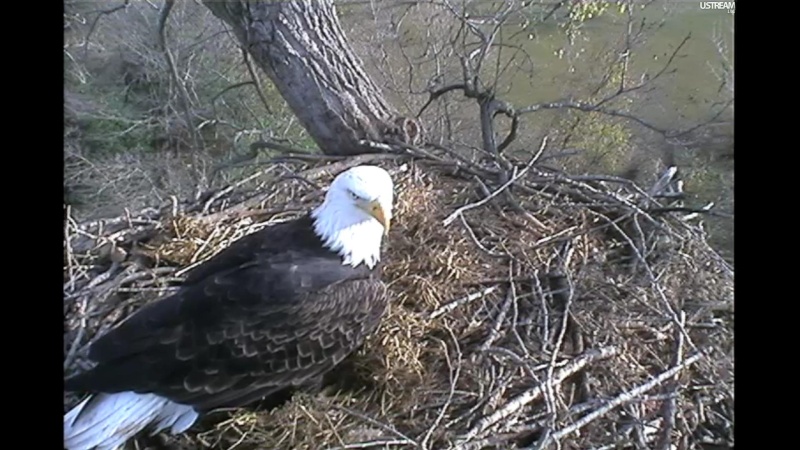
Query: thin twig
point(668, 409)
point(454, 374)
point(382, 443)
point(92, 27)
point(383, 426)
point(499, 190)
point(532, 394)
point(622, 399)
point(256, 81)
point(176, 78)
point(494, 333)
point(478, 243)
point(446, 308)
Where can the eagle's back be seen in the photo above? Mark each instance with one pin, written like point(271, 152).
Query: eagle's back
point(274, 310)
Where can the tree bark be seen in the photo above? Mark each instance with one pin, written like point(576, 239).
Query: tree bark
point(302, 48)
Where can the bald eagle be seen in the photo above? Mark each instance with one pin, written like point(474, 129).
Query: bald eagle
point(277, 309)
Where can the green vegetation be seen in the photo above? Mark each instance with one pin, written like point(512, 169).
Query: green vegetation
point(127, 141)
point(606, 142)
point(133, 140)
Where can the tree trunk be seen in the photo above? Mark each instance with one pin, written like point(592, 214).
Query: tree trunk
point(301, 46)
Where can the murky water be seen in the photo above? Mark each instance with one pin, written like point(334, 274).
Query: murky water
point(693, 90)
point(699, 87)
point(685, 96)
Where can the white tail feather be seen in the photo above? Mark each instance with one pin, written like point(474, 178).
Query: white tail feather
point(107, 421)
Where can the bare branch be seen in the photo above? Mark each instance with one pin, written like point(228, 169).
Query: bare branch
point(446, 308)
point(435, 94)
point(499, 190)
point(256, 81)
point(528, 396)
point(176, 78)
point(620, 400)
point(92, 27)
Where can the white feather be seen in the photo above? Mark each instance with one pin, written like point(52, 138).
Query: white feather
point(107, 421)
point(345, 227)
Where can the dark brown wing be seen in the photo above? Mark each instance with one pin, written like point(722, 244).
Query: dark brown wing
point(236, 336)
point(264, 243)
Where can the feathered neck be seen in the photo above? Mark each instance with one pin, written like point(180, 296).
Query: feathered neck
point(350, 232)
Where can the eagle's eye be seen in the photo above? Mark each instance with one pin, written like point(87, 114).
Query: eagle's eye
point(353, 195)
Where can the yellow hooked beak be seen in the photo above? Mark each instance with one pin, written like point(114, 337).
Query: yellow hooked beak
point(375, 210)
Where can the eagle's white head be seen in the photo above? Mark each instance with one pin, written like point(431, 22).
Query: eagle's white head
point(356, 214)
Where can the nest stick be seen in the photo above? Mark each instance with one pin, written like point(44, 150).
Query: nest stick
point(622, 399)
point(668, 410)
point(454, 374)
point(532, 394)
point(499, 190)
point(377, 423)
point(498, 323)
point(446, 308)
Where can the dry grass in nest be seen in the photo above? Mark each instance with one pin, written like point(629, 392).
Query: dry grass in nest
point(483, 311)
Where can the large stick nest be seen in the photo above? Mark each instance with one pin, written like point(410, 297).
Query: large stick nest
point(563, 309)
